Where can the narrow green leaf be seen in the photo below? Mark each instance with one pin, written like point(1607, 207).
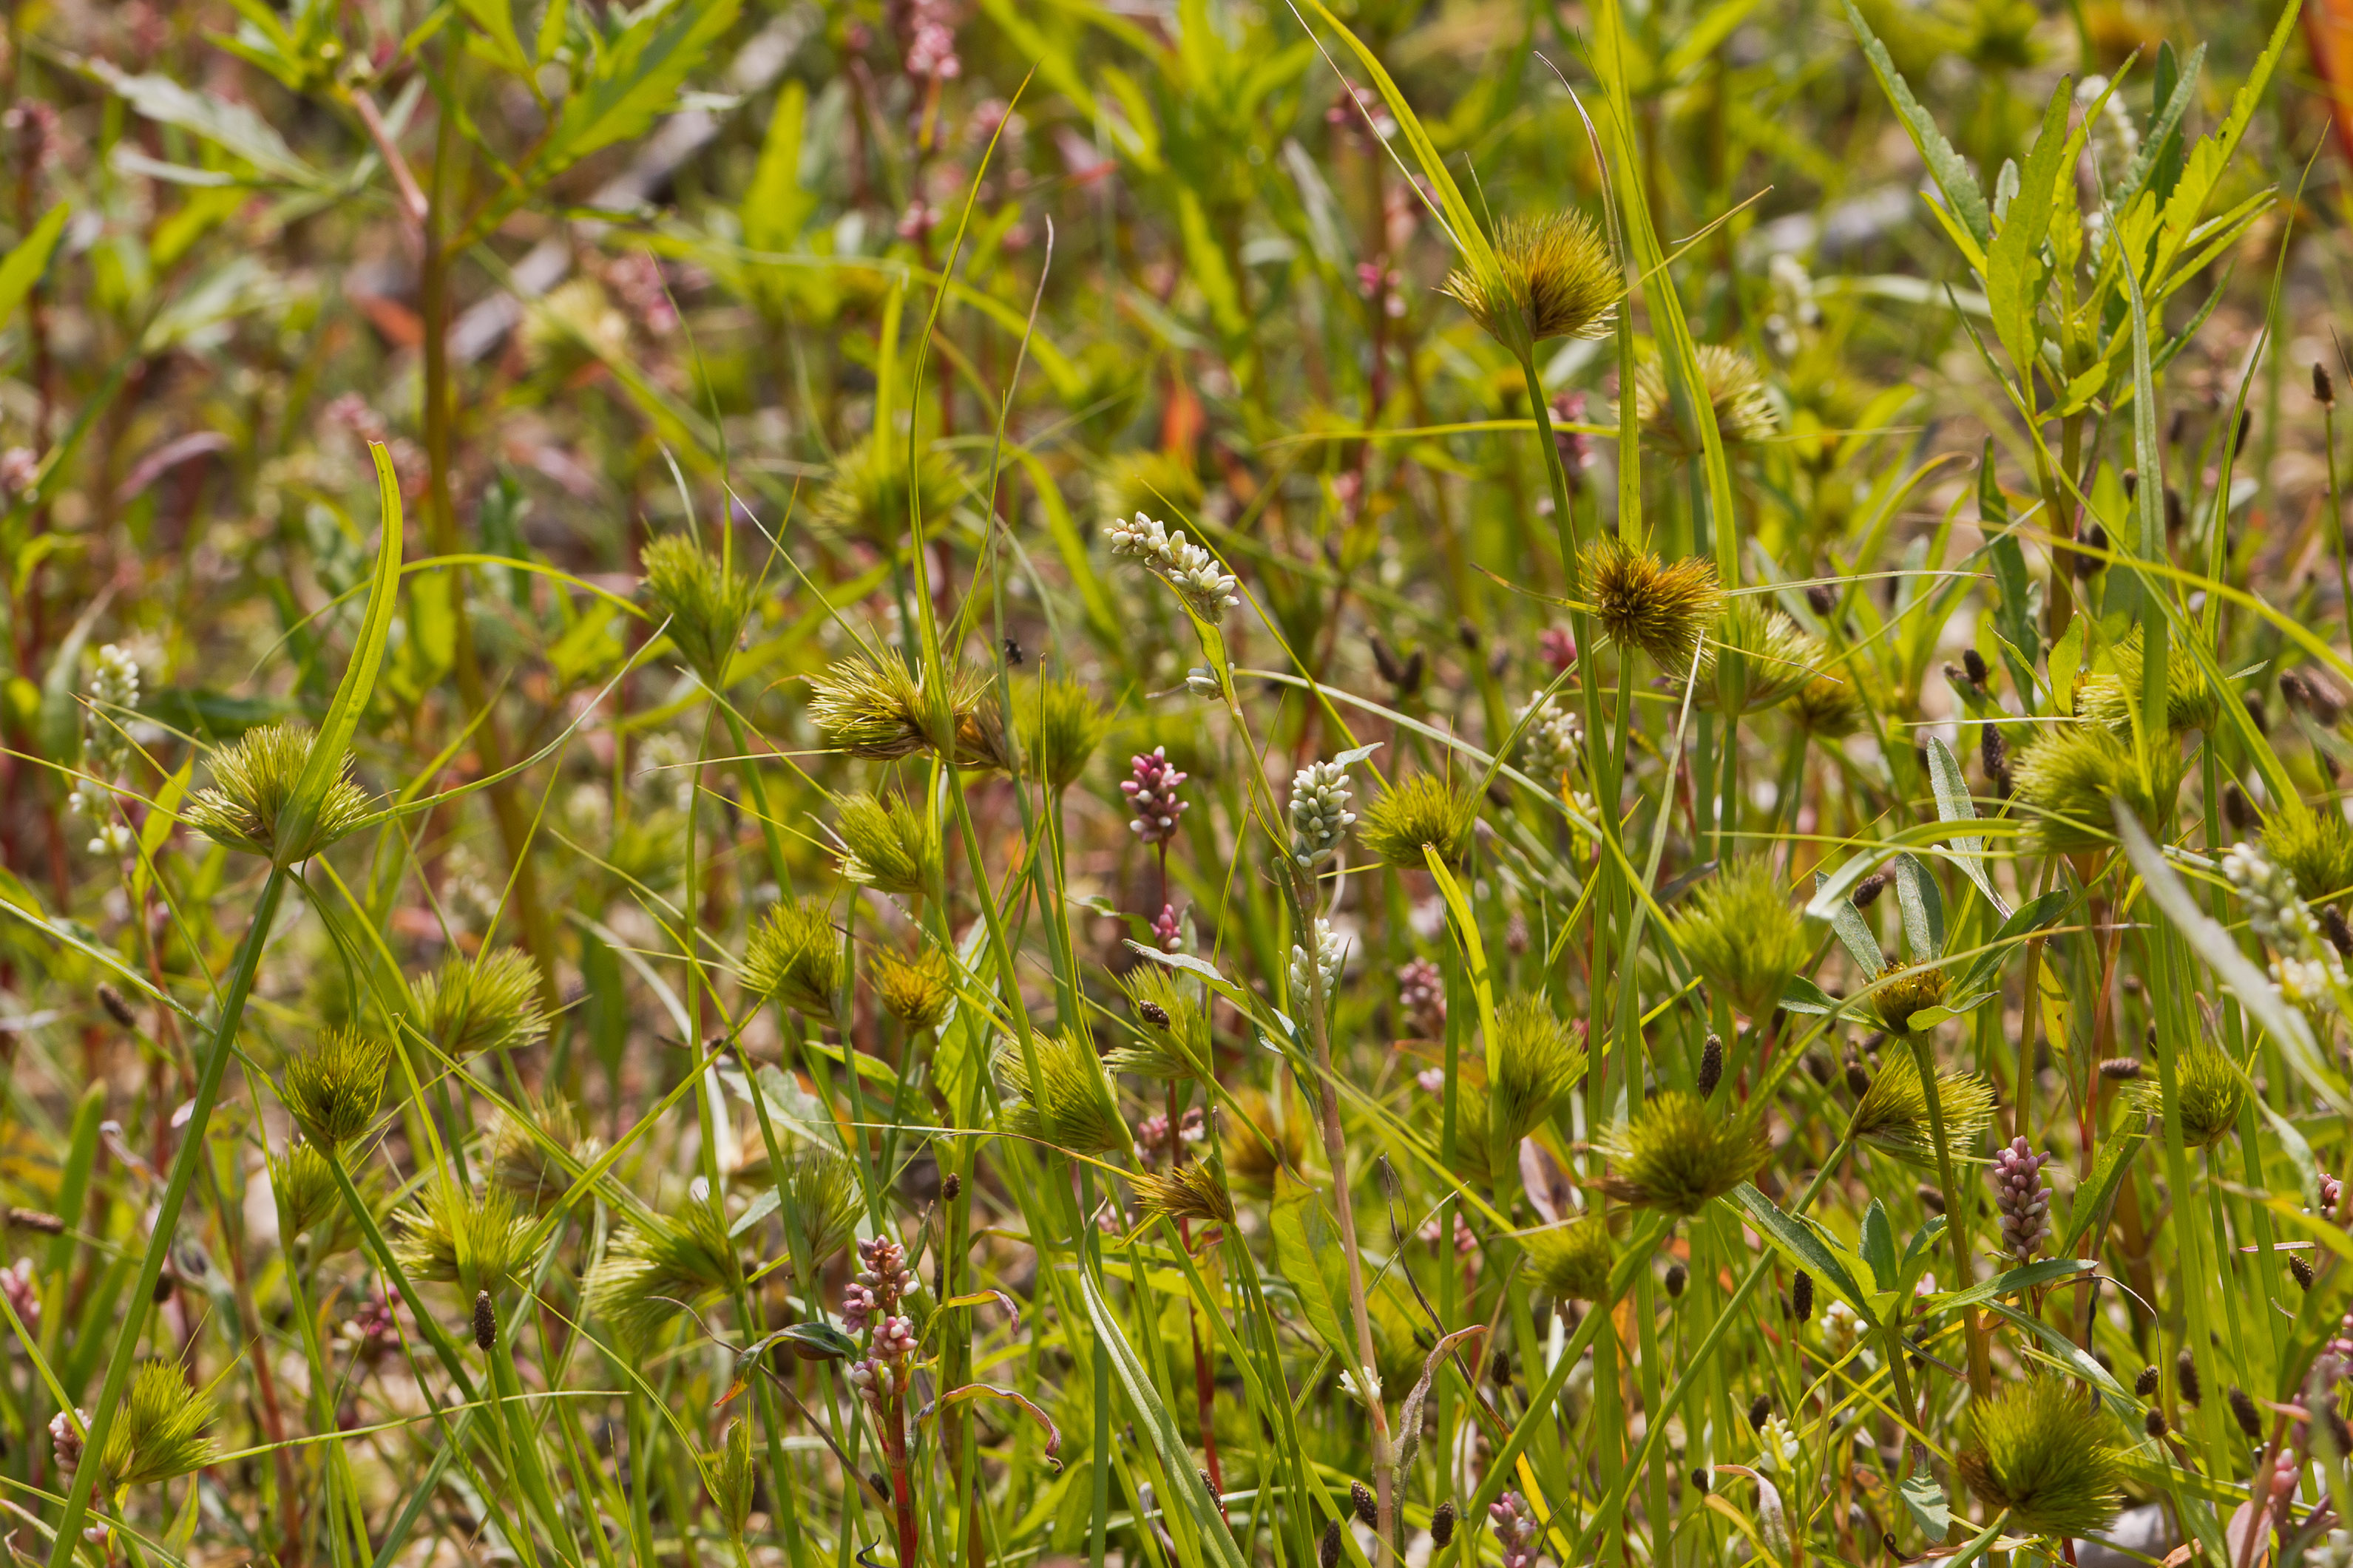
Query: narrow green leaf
point(334, 737)
point(24, 263)
point(1176, 1458)
point(1806, 1246)
point(2041, 1272)
point(1307, 1255)
point(1922, 904)
point(2249, 985)
point(1848, 921)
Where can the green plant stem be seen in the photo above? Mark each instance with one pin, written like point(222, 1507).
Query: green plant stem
point(185, 1165)
point(1955, 1216)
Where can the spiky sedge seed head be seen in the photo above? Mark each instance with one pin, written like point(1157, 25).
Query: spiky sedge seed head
point(2315, 847)
point(254, 778)
point(486, 1323)
point(1367, 1509)
point(1974, 664)
point(2145, 1383)
point(117, 1009)
point(1677, 1276)
point(2038, 1450)
point(492, 1002)
point(1571, 1261)
point(2154, 1424)
point(2211, 1092)
point(1742, 937)
point(1174, 1045)
point(873, 706)
point(1499, 1369)
point(1658, 606)
point(305, 1188)
point(702, 599)
point(951, 1187)
point(2113, 697)
point(1061, 725)
point(1327, 1552)
point(872, 495)
point(474, 1241)
point(2120, 1069)
point(795, 958)
point(1779, 658)
point(2185, 1377)
point(165, 1283)
point(1679, 1153)
point(1931, 1196)
point(2324, 387)
point(2301, 1269)
point(2067, 775)
point(332, 1088)
point(1760, 1411)
point(1190, 1192)
point(35, 1220)
point(1866, 892)
point(535, 1153)
point(1892, 1114)
point(889, 844)
point(1734, 389)
point(1074, 1106)
point(1801, 1296)
point(1418, 813)
point(2244, 1411)
point(656, 1268)
point(1858, 1078)
point(1711, 1065)
point(1700, 1479)
point(159, 1431)
point(917, 990)
point(1441, 1525)
point(1557, 280)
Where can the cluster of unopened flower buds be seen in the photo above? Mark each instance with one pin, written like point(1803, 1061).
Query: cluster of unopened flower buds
point(2332, 1195)
point(1318, 811)
point(24, 1294)
point(373, 1331)
point(875, 1293)
point(1515, 1530)
point(1151, 790)
point(1152, 1133)
point(2023, 1197)
point(1421, 996)
point(65, 1439)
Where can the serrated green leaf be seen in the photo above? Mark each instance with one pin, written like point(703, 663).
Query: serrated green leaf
point(231, 127)
point(2013, 266)
point(1952, 176)
point(637, 79)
